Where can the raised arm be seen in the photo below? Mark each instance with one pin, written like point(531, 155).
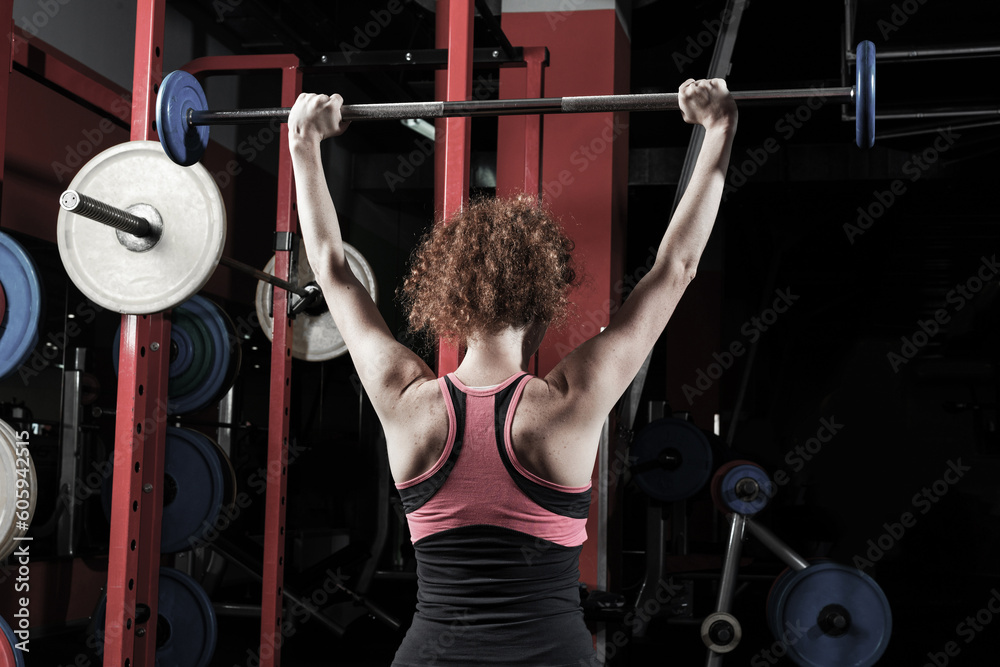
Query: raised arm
point(386, 367)
point(593, 377)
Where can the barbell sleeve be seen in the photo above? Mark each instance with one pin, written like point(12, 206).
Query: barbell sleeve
point(104, 213)
point(122, 220)
point(545, 105)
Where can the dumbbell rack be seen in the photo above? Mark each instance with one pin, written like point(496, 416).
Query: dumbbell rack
point(134, 549)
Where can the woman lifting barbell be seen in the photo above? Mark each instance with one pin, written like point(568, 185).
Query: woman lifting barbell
point(493, 464)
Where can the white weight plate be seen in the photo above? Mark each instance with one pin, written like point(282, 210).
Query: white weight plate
point(8, 433)
point(315, 337)
point(8, 490)
point(172, 271)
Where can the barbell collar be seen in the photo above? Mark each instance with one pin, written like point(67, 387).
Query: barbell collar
point(480, 108)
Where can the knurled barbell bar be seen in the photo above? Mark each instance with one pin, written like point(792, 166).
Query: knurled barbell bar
point(183, 117)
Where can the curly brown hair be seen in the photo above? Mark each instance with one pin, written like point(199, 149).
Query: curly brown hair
point(500, 262)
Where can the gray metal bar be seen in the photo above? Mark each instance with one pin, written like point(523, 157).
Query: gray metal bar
point(779, 548)
point(936, 129)
point(224, 431)
point(722, 57)
point(939, 53)
point(940, 113)
point(261, 275)
point(734, 548)
point(544, 105)
point(67, 527)
point(106, 214)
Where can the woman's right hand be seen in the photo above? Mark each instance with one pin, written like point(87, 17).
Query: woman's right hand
point(316, 117)
point(707, 102)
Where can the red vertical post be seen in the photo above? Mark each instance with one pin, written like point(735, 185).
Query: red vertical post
point(454, 135)
point(584, 182)
point(134, 549)
point(280, 397)
point(527, 83)
point(7, 18)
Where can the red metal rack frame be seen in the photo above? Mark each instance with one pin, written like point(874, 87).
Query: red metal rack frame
point(281, 355)
point(140, 428)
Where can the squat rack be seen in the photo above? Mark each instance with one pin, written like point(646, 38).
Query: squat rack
point(134, 549)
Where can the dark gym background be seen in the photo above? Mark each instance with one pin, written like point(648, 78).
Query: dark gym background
point(873, 245)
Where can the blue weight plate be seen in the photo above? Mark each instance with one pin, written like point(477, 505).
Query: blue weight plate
point(23, 294)
point(194, 491)
point(864, 95)
point(177, 336)
point(187, 631)
point(659, 481)
point(794, 608)
point(10, 651)
point(179, 93)
point(180, 338)
point(220, 357)
point(727, 489)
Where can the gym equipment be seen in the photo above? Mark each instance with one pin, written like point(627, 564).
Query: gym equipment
point(12, 524)
point(205, 355)
point(194, 489)
point(742, 487)
point(10, 655)
point(20, 305)
point(186, 628)
point(140, 228)
point(671, 459)
point(864, 86)
point(183, 229)
point(846, 615)
point(183, 117)
point(316, 337)
point(721, 632)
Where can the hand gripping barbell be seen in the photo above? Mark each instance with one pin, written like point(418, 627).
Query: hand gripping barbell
point(183, 117)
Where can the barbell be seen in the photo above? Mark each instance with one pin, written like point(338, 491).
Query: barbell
point(183, 117)
point(153, 250)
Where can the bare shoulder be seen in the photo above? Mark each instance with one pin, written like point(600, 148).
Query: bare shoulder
point(416, 431)
point(550, 436)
